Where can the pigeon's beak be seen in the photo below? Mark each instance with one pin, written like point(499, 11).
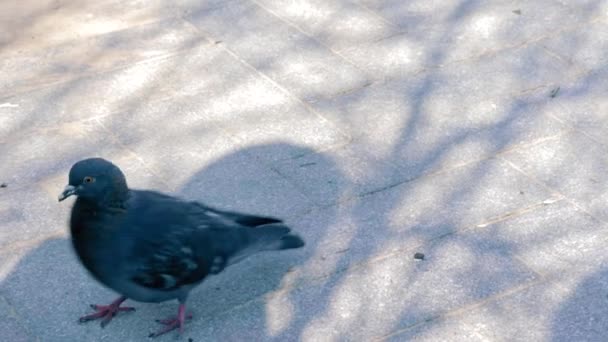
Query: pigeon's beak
point(67, 192)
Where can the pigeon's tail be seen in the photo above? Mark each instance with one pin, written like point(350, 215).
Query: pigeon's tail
point(268, 237)
point(274, 237)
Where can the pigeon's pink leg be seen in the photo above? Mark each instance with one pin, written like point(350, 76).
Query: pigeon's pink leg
point(173, 322)
point(106, 312)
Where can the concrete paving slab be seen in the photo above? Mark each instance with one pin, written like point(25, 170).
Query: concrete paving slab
point(581, 47)
point(23, 206)
point(50, 308)
point(10, 328)
point(278, 50)
point(337, 24)
point(26, 70)
point(27, 160)
point(584, 104)
point(573, 164)
point(553, 238)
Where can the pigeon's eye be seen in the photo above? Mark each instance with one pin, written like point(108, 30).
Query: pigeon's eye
point(88, 179)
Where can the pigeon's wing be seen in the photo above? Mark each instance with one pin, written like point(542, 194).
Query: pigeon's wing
point(236, 218)
point(170, 246)
point(170, 265)
point(183, 242)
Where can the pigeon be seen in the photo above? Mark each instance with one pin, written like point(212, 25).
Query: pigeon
point(152, 247)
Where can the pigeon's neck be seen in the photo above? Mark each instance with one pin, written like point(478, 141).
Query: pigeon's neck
point(116, 199)
point(112, 200)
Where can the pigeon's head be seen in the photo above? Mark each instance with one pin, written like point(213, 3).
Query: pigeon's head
point(97, 180)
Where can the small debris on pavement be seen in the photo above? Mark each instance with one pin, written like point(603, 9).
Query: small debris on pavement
point(517, 11)
point(3, 185)
point(521, 192)
point(554, 92)
point(419, 256)
point(550, 201)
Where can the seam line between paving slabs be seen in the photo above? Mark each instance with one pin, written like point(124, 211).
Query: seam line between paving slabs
point(550, 189)
point(378, 16)
point(569, 62)
point(310, 36)
point(89, 74)
point(334, 51)
point(594, 139)
point(571, 124)
point(269, 79)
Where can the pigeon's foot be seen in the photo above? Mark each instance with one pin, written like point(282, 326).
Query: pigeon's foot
point(173, 322)
point(106, 312)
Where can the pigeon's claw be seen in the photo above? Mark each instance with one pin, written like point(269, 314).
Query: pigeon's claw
point(173, 322)
point(106, 312)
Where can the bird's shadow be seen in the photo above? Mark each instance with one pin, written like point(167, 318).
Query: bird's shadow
point(49, 289)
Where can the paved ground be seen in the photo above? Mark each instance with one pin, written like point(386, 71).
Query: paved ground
point(471, 131)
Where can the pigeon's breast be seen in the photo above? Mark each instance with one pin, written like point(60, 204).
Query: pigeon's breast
point(96, 243)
